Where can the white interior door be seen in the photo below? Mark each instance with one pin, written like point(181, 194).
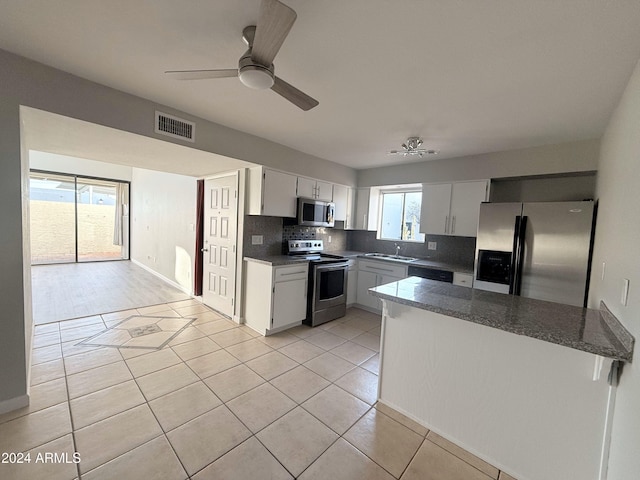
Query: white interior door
point(219, 243)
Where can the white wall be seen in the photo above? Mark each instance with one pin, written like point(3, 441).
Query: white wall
point(53, 162)
point(550, 159)
point(163, 218)
point(616, 243)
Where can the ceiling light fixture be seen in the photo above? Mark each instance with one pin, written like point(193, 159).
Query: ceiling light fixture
point(256, 77)
point(412, 147)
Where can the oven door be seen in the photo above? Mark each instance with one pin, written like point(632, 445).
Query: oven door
point(330, 285)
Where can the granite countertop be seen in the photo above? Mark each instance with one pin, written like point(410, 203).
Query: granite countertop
point(589, 330)
point(276, 260)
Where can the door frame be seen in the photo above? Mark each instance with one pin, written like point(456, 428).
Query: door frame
point(241, 176)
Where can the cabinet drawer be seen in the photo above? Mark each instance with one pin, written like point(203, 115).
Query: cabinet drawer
point(463, 279)
point(382, 268)
point(290, 272)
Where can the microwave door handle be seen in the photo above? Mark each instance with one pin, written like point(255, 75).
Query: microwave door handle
point(514, 255)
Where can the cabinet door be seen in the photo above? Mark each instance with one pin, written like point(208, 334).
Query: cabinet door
point(367, 280)
point(306, 187)
point(278, 194)
point(324, 191)
point(465, 207)
point(340, 198)
point(361, 221)
point(351, 204)
point(352, 285)
point(434, 212)
point(289, 303)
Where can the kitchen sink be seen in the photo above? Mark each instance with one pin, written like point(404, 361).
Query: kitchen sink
point(388, 256)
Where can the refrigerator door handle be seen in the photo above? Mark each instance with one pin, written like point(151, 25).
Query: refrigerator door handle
point(513, 270)
point(520, 257)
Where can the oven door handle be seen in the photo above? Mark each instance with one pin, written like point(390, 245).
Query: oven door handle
point(332, 266)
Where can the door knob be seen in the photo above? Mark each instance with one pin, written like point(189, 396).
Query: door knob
point(204, 249)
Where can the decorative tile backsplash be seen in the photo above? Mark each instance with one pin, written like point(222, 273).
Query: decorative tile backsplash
point(454, 250)
point(276, 232)
point(296, 232)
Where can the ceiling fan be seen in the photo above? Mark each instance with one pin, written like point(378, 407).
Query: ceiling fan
point(255, 68)
point(412, 147)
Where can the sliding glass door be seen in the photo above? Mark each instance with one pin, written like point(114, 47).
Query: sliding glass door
point(78, 219)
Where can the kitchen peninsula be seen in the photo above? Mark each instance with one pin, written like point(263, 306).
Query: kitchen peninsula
point(521, 383)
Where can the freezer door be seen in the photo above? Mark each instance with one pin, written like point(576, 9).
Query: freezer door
point(496, 229)
point(556, 251)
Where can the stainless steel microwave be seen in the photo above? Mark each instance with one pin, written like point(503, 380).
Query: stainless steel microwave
point(315, 213)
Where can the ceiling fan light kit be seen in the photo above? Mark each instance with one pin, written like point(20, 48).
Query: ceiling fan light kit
point(256, 77)
point(255, 67)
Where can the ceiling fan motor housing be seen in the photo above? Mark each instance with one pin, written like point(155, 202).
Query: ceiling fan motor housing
point(254, 75)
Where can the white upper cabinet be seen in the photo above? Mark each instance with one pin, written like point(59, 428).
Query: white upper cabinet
point(366, 211)
point(466, 198)
point(434, 211)
point(452, 208)
point(310, 188)
point(271, 193)
point(341, 198)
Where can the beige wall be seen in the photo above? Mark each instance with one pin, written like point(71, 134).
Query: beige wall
point(616, 244)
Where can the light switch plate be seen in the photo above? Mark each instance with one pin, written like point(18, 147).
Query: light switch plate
point(603, 269)
point(257, 239)
point(431, 245)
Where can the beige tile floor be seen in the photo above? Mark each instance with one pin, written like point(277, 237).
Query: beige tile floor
point(221, 402)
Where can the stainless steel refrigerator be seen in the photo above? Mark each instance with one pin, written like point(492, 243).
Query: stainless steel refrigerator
point(536, 250)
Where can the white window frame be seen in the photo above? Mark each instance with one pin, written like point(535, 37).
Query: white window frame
point(421, 237)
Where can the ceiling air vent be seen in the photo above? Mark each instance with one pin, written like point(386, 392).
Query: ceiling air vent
point(175, 127)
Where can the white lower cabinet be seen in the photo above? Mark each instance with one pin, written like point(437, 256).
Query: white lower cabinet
point(367, 280)
point(352, 282)
point(275, 297)
point(373, 274)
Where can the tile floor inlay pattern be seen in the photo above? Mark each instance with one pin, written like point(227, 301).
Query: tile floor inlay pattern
point(217, 401)
point(140, 331)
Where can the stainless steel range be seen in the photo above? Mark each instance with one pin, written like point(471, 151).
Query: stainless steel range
point(327, 291)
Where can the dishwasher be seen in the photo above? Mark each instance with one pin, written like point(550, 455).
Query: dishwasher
point(430, 273)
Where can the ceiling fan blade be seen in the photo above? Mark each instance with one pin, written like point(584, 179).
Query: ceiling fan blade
point(274, 23)
point(202, 74)
point(295, 96)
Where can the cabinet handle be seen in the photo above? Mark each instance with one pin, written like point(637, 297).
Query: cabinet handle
point(453, 225)
point(446, 223)
point(364, 221)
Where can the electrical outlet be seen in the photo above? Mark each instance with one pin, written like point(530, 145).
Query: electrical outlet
point(329, 240)
point(257, 239)
point(431, 245)
point(625, 291)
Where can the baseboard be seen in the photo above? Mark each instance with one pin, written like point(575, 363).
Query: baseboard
point(14, 404)
point(162, 277)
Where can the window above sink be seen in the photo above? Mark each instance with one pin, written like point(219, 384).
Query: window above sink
point(400, 214)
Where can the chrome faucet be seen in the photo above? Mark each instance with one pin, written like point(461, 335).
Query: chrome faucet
point(397, 250)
